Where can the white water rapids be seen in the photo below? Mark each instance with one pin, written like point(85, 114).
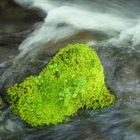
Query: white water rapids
point(111, 19)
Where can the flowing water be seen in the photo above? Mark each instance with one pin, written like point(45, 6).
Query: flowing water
point(112, 28)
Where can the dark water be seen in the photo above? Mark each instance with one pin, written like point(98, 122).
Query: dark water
point(112, 28)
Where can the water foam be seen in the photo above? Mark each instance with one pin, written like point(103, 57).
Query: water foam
point(76, 17)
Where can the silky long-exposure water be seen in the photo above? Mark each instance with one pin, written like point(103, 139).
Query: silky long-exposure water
point(112, 28)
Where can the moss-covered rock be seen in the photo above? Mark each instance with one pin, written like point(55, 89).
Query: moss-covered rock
point(1, 103)
point(73, 79)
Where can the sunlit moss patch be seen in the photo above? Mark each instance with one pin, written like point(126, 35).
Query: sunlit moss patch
point(73, 79)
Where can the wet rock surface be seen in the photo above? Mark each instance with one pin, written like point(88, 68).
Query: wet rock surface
point(121, 67)
point(11, 12)
point(16, 23)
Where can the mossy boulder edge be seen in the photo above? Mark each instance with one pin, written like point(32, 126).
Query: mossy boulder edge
point(1, 102)
point(73, 79)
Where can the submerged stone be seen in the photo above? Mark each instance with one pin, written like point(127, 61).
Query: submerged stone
point(73, 79)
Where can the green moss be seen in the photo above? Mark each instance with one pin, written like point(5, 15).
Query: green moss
point(73, 79)
point(1, 102)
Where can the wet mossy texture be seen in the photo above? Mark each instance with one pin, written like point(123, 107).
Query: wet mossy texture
point(1, 102)
point(73, 79)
